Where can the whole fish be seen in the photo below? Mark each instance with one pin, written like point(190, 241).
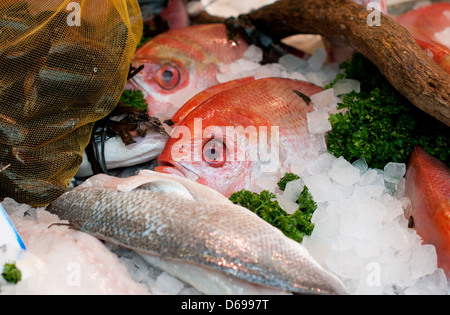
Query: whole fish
point(216, 246)
point(181, 63)
point(428, 187)
point(240, 134)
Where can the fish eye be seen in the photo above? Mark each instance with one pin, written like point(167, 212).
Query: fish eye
point(214, 152)
point(168, 77)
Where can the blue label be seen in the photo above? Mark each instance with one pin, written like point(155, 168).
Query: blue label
point(18, 238)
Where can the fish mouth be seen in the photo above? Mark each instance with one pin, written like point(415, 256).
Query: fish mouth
point(169, 170)
point(172, 168)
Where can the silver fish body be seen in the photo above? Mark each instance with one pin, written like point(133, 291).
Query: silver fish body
point(223, 238)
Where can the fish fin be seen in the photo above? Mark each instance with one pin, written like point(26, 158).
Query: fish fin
point(303, 96)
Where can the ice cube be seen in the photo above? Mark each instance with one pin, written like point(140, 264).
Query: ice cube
point(361, 217)
point(423, 260)
point(368, 248)
point(242, 65)
point(324, 99)
point(433, 284)
point(227, 76)
point(368, 178)
point(330, 70)
point(326, 226)
point(254, 54)
point(287, 204)
point(293, 189)
point(317, 60)
point(292, 63)
point(298, 165)
point(317, 144)
point(343, 242)
point(379, 179)
point(267, 182)
point(400, 189)
point(296, 76)
point(395, 236)
point(317, 247)
point(275, 69)
point(394, 206)
point(361, 164)
point(322, 164)
point(396, 271)
point(346, 264)
point(373, 191)
point(344, 173)
point(394, 172)
point(167, 284)
point(346, 86)
point(318, 121)
point(320, 187)
point(262, 73)
point(316, 78)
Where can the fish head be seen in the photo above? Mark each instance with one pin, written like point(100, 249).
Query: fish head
point(180, 63)
point(234, 137)
point(211, 150)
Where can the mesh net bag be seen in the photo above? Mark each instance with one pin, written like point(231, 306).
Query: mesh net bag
point(63, 66)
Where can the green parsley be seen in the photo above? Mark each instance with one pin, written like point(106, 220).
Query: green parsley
point(265, 205)
point(380, 124)
point(288, 177)
point(135, 99)
point(11, 274)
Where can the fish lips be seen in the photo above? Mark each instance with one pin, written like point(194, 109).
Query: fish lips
point(169, 170)
point(175, 169)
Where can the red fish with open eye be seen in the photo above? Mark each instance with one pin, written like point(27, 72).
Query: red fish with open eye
point(180, 63)
point(231, 139)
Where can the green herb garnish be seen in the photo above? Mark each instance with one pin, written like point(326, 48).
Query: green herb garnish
point(11, 274)
point(135, 99)
point(295, 225)
point(380, 124)
point(288, 177)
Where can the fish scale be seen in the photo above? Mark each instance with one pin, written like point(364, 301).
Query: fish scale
point(221, 237)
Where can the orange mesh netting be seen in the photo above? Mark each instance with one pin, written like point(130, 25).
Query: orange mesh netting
point(63, 66)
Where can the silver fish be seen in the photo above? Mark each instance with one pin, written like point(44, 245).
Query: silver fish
point(193, 240)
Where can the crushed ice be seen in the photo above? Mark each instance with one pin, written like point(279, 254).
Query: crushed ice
point(360, 233)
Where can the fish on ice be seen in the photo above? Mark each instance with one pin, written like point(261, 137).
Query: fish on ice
point(180, 63)
point(241, 133)
point(214, 245)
